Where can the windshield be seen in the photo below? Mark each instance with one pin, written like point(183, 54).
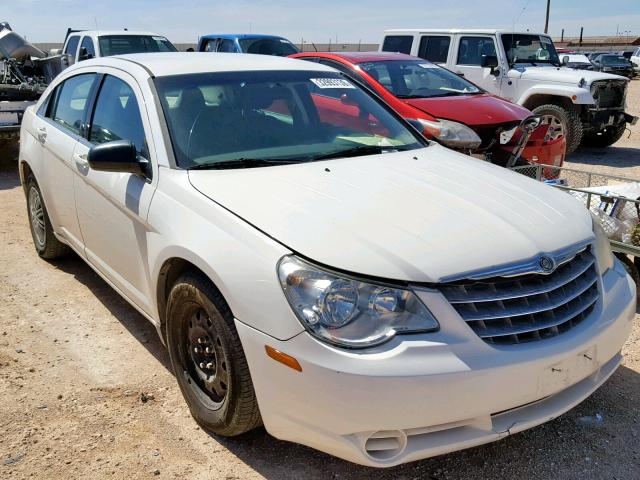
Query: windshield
point(525, 48)
point(268, 46)
point(613, 60)
point(417, 79)
point(284, 116)
point(125, 44)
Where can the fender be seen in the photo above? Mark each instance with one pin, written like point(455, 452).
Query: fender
point(582, 95)
point(238, 259)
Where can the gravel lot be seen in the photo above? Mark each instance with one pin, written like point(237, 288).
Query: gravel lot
point(86, 389)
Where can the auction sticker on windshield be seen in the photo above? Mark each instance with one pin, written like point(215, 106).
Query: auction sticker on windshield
point(331, 83)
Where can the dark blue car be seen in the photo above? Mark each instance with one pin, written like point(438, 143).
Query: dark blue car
point(247, 43)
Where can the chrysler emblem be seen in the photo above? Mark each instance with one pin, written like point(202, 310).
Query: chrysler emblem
point(547, 264)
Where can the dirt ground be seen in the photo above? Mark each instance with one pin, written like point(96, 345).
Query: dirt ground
point(86, 389)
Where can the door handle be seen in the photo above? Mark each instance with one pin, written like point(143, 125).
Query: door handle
point(81, 159)
point(42, 135)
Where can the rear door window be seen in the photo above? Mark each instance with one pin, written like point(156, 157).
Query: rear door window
point(71, 102)
point(398, 43)
point(434, 48)
point(472, 49)
point(117, 116)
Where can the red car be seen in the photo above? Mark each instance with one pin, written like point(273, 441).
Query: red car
point(449, 108)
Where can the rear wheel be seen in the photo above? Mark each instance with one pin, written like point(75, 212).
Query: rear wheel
point(604, 138)
point(562, 122)
point(208, 359)
point(46, 243)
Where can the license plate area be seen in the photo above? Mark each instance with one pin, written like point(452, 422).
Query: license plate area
point(563, 374)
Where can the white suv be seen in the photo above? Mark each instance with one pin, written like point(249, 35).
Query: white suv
point(587, 107)
point(305, 255)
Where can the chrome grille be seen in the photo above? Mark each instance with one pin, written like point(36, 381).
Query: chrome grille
point(508, 310)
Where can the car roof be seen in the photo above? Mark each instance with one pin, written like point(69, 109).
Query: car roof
point(485, 31)
point(178, 63)
point(239, 35)
point(361, 57)
point(104, 33)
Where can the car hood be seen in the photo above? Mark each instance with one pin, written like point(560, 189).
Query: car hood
point(417, 216)
point(562, 75)
point(481, 109)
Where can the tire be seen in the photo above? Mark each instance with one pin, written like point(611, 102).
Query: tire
point(45, 241)
point(604, 138)
point(217, 385)
point(569, 120)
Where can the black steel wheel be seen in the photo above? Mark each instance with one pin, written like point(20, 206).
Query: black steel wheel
point(208, 359)
point(205, 357)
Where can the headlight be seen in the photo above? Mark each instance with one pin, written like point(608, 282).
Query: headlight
point(348, 312)
point(452, 134)
point(604, 256)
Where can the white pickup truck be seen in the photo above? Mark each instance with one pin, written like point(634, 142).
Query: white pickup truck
point(86, 44)
point(588, 107)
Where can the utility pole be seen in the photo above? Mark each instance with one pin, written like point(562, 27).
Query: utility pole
point(546, 23)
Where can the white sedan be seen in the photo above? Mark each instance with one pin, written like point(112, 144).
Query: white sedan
point(315, 265)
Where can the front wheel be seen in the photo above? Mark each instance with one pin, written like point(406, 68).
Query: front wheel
point(562, 122)
point(208, 359)
point(604, 138)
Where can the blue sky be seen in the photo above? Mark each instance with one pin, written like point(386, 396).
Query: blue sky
point(349, 20)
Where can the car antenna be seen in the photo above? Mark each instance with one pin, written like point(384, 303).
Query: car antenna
point(314, 46)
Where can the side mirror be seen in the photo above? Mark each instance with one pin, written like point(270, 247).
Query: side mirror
point(116, 156)
point(565, 60)
point(489, 61)
point(84, 55)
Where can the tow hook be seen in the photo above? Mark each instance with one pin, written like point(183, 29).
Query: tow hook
point(527, 126)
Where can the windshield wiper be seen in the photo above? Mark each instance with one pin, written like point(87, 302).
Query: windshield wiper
point(242, 163)
point(358, 151)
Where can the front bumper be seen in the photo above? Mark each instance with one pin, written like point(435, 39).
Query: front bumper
point(424, 395)
point(546, 152)
point(601, 119)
